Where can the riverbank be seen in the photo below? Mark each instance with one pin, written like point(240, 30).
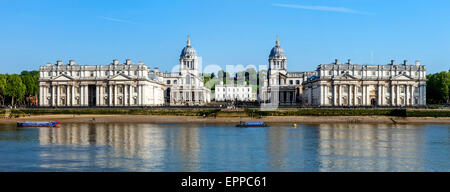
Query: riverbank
point(226, 120)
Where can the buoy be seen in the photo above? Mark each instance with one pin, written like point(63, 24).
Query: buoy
point(295, 125)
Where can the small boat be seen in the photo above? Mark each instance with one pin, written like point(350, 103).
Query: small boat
point(38, 124)
point(252, 124)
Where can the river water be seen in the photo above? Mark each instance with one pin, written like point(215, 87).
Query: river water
point(206, 147)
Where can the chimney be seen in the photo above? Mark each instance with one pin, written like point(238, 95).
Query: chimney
point(392, 62)
point(49, 64)
point(336, 61)
point(128, 62)
point(59, 62)
point(156, 69)
point(417, 62)
point(115, 62)
point(405, 62)
point(72, 62)
point(349, 62)
point(140, 63)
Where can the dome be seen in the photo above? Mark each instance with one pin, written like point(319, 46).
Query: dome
point(277, 50)
point(188, 50)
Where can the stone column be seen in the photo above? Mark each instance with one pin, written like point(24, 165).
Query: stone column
point(406, 95)
point(397, 95)
point(340, 95)
point(58, 95)
point(392, 94)
point(86, 94)
point(349, 101)
point(97, 95)
point(101, 99)
point(334, 95)
point(41, 94)
point(53, 96)
point(139, 95)
point(125, 99)
point(355, 93)
point(115, 95)
point(110, 95)
point(73, 95)
point(412, 95)
point(67, 96)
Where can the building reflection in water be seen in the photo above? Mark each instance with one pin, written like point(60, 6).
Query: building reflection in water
point(370, 147)
point(128, 147)
point(191, 147)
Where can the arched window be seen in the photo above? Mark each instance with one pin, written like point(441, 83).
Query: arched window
point(188, 80)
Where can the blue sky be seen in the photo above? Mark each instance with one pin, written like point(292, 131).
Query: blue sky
point(226, 32)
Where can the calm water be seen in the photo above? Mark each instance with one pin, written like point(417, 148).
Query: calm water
point(198, 147)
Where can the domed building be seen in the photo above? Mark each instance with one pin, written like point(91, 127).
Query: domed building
point(185, 87)
point(281, 87)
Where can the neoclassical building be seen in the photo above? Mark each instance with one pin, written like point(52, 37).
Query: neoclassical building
point(187, 86)
point(116, 84)
point(348, 84)
point(282, 87)
point(232, 92)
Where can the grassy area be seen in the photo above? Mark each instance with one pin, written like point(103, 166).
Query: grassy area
point(246, 112)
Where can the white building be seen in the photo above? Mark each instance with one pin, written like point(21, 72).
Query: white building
point(350, 84)
point(282, 87)
point(116, 84)
point(187, 86)
point(232, 92)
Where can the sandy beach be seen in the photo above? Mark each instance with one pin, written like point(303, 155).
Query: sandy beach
point(233, 120)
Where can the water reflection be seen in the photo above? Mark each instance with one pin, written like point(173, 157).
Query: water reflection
point(371, 147)
point(195, 147)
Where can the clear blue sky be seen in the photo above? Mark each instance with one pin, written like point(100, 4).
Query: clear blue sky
point(224, 32)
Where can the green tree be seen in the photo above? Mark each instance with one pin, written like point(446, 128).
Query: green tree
point(15, 88)
point(2, 88)
point(438, 88)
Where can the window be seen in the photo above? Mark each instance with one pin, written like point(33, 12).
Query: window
point(291, 82)
point(402, 89)
point(92, 73)
point(136, 89)
point(174, 81)
point(345, 88)
point(359, 90)
point(330, 72)
point(120, 89)
point(135, 73)
point(168, 82)
point(297, 82)
point(388, 73)
point(359, 72)
point(49, 73)
point(188, 80)
point(373, 73)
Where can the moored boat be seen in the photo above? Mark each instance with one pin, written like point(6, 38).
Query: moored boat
point(252, 124)
point(38, 124)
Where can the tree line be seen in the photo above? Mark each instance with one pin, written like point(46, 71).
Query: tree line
point(438, 88)
point(19, 89)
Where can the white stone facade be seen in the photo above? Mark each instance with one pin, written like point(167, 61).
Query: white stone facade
point(366, 85)
point(187, 86)
point(72, 85)
point(282, 87)
point(232, 92)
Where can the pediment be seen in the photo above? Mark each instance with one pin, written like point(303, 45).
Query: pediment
point(119, 77)
point(402, 77)
point(346, 76)
point(63, 77)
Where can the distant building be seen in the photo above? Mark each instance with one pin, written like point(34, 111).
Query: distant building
point(232, 92)
point(187, 86)
point(282, 87)
point(349, 84)
point(116, 84)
